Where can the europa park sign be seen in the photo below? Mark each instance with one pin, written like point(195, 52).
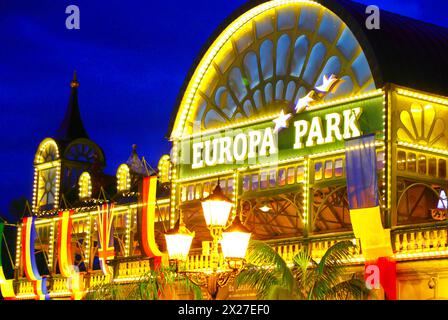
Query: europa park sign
point(286, 137)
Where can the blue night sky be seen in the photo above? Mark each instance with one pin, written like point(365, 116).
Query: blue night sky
point(131, 58)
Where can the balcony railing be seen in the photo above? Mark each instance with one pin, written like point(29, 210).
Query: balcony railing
point(131, 270)
point(409, 243)
point(421, 243)
point(24, 289)
point(96, 278)
point(317, 248)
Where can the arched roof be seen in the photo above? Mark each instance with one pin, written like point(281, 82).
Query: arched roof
point(404, 51)
point(407, 51)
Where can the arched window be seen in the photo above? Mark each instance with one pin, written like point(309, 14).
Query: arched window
point(48, 151)
point(46, 176)
point(164, 169)
point(85, 186)
point(123, 178)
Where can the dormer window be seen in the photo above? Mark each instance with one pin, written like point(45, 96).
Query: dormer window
point(85, 186)
point(123, 178)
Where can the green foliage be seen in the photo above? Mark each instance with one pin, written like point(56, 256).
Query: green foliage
point(266, 272)
point(152, 285)
point(306, 279)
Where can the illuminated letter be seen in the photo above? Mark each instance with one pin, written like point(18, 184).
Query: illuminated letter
point(333, 130)
point(225, 154)
point(373, 21)
point(315, 132)
point(240, 152)
point(254, 141)
point(197, 155)
point(73, 20)
point(301, 130)
point(373, 278)
point(351, 123)
point(268, 141)
point(211, 161)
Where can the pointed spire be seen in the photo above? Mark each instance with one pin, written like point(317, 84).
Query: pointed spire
point(135, 164)
point(74, 83)
point(72, 126)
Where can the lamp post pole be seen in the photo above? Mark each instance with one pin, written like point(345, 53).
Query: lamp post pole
point(216, 233)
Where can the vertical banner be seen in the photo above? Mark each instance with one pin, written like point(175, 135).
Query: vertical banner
point(365, 213)
point(148, 191)
point(105, 225)
point(65, 257)
point(362, 182)
point(29, 260)
point(6, 286)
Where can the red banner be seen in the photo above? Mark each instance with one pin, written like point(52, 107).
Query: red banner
point(382, 273)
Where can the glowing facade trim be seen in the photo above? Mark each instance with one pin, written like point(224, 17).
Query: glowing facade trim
point(426, 97)
point(174, 177)
point(123, 178)
point(85, 186)
point(50, 246)
point(164, 168)
point(423, 148)
point(42, 147)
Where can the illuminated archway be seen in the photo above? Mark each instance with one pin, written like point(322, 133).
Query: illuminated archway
point(266, 60)
point(47, 151)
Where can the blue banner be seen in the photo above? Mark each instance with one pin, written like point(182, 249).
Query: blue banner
point(361, 172)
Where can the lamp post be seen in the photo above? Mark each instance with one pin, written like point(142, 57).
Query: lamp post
point(234, 241)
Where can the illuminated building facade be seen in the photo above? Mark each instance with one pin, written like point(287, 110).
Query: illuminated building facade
point(259, 112)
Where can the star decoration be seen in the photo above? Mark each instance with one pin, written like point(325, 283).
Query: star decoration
point(304, 102)
point(328, 84)
point(281, 121)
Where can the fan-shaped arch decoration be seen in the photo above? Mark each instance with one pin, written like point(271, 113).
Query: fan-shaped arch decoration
point(421, 124)
point(47, 151)
point(123, 178)
point(84, 150)
point(85, 186)
point(266, 60)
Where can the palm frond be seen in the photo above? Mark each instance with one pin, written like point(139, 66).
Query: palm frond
point(336, 255)
point(261, 254)
point(302, 270)
point(330, 269)
point(349, 289)
point(259, 278)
